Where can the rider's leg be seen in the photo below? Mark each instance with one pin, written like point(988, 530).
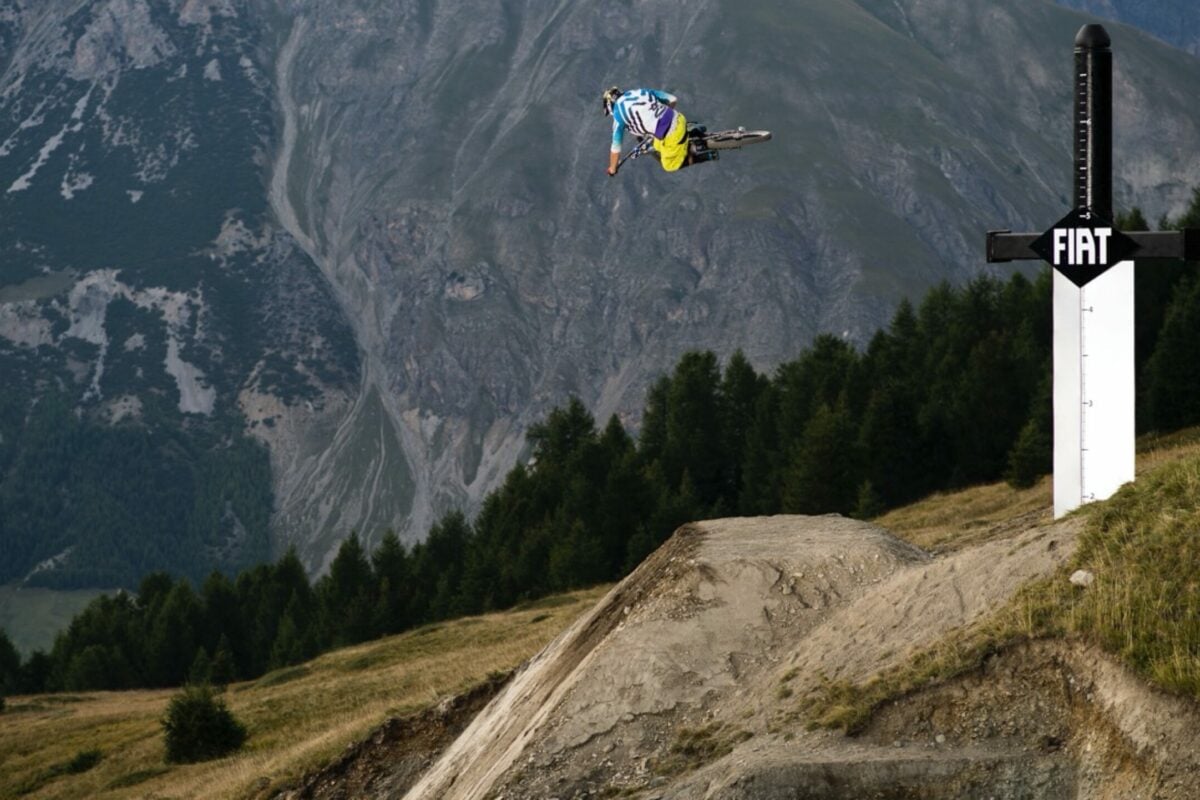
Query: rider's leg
point(673, 148)
point(696, 152)
point(699, 158)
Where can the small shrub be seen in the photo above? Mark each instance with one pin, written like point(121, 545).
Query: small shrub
point(199, 727)
point(82, 762)
point(1031, 457)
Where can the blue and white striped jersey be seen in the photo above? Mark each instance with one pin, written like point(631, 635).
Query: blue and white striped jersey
point(644, 112)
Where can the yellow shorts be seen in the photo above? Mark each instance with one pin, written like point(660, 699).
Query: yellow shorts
point(672, 148)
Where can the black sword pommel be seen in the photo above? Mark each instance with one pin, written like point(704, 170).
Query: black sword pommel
point(1093, 37)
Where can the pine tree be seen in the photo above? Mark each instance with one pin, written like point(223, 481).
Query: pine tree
point(153, 590)
point(626, 503)
point(1032, 454)
point(391, 568)
point(1173, 372)
point(224, 616)
point(740, 389)
point(761, 471)
point(201, 671)
point(819, 377)
point(35, 673)
point(288, 648)
point(558, 439)
point(97, 667)
point(641, 544)
point(890, 441)
point(172, 636)
point(869, 504)
point(674, 508)
point(445, 554)
point(576, 559)
point(10, 665)
point(1030, 457)
point(824, 474)
point(260, 609)
point(347, 602)
point(694, 429)
point(223, 671)
point(652, 440)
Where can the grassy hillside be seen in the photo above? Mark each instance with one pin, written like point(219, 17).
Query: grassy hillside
point(298, 718)
point(1143, 607)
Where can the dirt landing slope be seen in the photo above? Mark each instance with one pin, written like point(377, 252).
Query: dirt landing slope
point(672, 686)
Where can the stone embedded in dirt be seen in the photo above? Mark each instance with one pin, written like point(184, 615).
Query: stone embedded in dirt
point(1081, 577)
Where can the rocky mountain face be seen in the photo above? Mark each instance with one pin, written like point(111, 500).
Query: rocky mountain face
point(1176, 22)
point(153, 313)
point(376, 239)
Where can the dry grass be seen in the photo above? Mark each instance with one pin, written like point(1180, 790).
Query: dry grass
point(950, 521)
point(1142, 545)
point(695, 747)
point(298, 718)
point(1156, 449)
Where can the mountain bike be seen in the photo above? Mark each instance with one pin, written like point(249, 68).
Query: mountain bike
point(701, 142)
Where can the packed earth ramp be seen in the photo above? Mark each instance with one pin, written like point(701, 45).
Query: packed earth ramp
point(684, 682)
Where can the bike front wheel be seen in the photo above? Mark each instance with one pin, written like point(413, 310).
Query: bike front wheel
point(731, 140)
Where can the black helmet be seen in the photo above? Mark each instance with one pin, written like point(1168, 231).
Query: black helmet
point(609, 97)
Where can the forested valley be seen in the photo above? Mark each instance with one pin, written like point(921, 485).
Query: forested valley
point(956, 391)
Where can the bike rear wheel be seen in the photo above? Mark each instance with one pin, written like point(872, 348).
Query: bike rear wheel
point(731, 140)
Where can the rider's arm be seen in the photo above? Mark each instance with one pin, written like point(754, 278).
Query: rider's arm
point(618, 134)
point(665, 97)
point(614, 152)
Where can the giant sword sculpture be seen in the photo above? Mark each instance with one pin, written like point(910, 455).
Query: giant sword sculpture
point(1093, 297)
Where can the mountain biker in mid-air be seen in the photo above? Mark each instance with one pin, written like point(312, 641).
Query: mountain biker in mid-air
point(649, 112)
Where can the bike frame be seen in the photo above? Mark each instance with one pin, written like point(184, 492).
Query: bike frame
point(642, 148)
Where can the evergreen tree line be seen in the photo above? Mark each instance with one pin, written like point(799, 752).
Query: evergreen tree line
point(953, 392)
point(271, 616)
point(74, 490)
